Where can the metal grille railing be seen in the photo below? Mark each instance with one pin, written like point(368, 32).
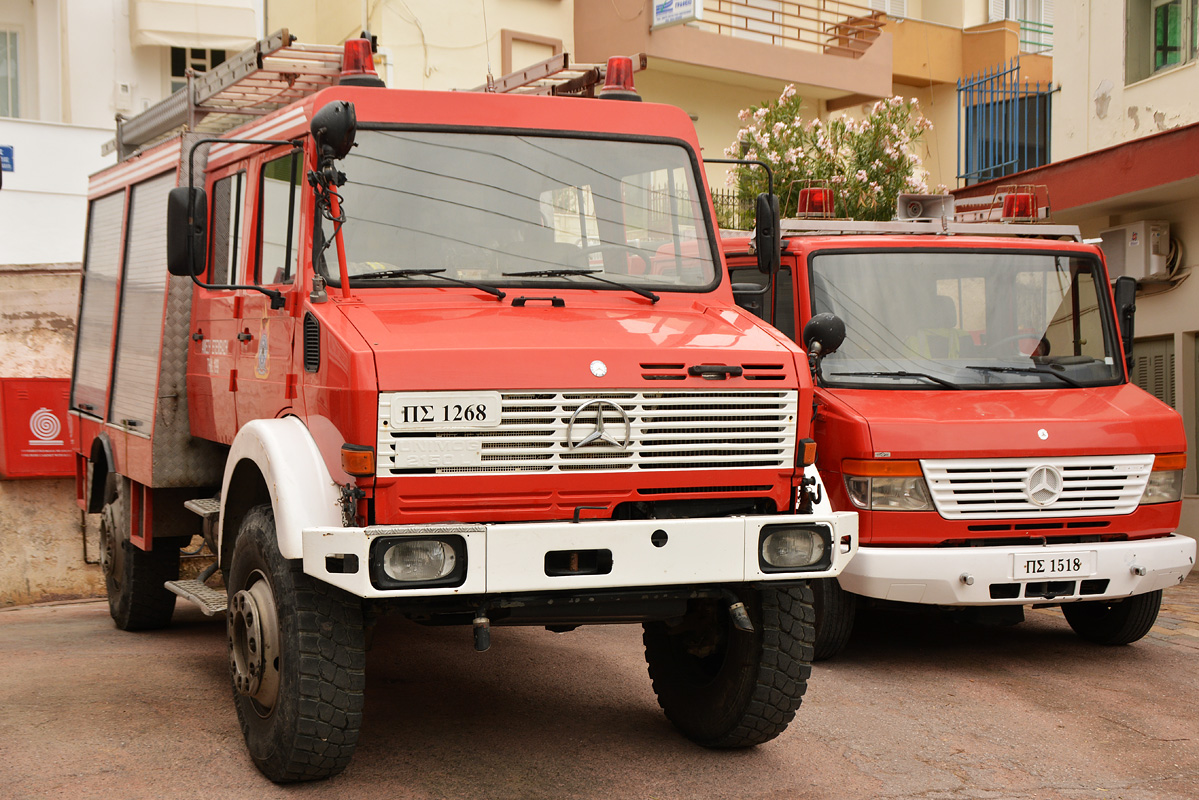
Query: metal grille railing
point(1003, 123)
point(734, 211)
point(832, 27)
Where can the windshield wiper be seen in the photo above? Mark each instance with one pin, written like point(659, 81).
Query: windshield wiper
point(1030, 371)
point(432, 273)
point(586, 273)
point(900, 374)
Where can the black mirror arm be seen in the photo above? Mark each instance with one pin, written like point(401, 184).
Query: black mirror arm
point(762, 164)
point(277, 299)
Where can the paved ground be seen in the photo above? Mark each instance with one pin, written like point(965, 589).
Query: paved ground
point(917, 707)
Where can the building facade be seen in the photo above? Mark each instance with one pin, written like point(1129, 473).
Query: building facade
point(1125, 168)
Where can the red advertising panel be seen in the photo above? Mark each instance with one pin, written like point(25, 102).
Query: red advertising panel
point(34, 442)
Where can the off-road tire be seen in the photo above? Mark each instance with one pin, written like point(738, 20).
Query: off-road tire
point(311, 729)
point(722, 687)
point(1106, 622)
point(835, 610)
point(134, 578)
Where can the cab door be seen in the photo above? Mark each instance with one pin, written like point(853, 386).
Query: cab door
point(266, 374)
point(211, 376)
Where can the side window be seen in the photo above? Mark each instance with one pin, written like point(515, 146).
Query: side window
point(784, 302)
point(278, 220)
point(228, 199)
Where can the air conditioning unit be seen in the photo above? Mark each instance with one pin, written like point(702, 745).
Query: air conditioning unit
point(1139, 250)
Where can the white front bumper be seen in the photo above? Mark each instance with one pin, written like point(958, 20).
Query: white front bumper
point(938, 575)
point(512, 557)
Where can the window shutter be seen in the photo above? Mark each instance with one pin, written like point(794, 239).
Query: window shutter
point(996, 10)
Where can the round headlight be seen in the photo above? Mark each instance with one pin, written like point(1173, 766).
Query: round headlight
point(419, 560)
point(793, 548)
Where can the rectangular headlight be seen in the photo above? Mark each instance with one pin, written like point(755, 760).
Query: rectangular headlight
point(898, 493)
point(794, 548)
point(401, 562)
point(1163, 487)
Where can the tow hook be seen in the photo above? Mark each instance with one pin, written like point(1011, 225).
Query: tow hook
point(482, 630)
point(738, 613)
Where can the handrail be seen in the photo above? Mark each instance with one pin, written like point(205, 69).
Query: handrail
point(833, 26)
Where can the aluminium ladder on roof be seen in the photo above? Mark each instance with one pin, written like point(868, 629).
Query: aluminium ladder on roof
point(268, 75)
point(556, 76)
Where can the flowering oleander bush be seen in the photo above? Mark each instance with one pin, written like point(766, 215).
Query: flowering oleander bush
point(867, 163)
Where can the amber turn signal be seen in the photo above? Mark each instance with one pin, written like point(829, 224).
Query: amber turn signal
point(880, 468)
point(1169, 461)
point(358, 460)
point(807, 452)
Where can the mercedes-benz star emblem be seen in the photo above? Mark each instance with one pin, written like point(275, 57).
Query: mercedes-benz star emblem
point(1044, 485)
point(595, 410)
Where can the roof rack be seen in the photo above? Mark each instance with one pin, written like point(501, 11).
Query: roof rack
point(556, 76)
point(268, 75)
point(794, 227)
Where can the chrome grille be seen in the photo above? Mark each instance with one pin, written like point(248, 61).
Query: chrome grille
point(994, 488)
point(677, 430)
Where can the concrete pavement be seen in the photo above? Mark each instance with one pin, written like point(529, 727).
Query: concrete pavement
point(917, 707)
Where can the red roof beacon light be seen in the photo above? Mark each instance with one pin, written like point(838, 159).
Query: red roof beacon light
point(618, 83)
point(1019, 207)
point(815, 203)
point(358, 64)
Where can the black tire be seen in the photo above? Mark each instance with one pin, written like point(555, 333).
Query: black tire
point(722, 687)
point(297, 659)
point(134, 578)
point(1120, 622)
point(836, 610)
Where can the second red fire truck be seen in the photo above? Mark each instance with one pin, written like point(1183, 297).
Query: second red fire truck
point(979, 416)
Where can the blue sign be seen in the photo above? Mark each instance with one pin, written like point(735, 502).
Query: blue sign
point(6, 157)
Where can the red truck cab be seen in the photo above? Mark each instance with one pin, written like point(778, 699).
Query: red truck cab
point(980, 418)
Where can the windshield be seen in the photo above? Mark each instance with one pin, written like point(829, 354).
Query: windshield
point(484, 207)
point(966, 319)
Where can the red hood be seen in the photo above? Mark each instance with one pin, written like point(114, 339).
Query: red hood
point(1108, 420)
point(482, 343)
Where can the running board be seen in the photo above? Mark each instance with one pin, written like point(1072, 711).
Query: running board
point(211, 601)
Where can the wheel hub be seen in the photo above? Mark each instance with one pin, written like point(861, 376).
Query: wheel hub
point(254, 643)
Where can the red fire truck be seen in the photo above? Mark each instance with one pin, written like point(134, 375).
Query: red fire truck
point(979, 415)
point(467, 357)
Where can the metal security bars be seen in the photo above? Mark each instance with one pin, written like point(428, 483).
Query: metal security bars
point(1003, 123)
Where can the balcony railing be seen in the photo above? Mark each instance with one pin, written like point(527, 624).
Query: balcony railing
point(1035, 37)
point(832, 27)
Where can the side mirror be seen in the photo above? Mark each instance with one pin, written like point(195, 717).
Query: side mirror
point(333, 129)
point(768, 239)
point(187, 231)
point(1126, 306)
point(823, 334)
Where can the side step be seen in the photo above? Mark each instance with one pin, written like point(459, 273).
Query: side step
point(211, 601)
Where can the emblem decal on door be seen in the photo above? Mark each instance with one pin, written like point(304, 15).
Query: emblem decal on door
point(262, 368)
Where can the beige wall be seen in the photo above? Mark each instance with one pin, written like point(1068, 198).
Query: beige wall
point(42, 533)
point(432, 44)
point(1095, 108)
